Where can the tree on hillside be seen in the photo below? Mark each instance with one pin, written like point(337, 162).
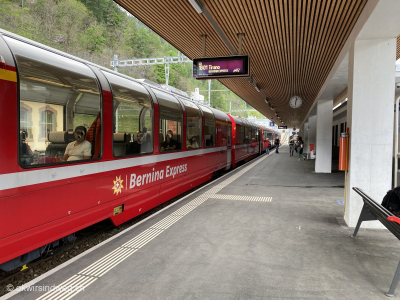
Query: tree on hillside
point(46, 11)
point(16, 19)
point(72, 19)
point(93, 39)
point(98, 8)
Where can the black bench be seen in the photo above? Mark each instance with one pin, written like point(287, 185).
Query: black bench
point(374, 211)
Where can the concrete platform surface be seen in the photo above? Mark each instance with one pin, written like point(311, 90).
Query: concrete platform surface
point(271, 229)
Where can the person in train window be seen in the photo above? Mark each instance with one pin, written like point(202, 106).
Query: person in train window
point(135, 147)
point(80, 148)
point(194, 142)
point(26, 152)
point(25, 148)
point(170, 143)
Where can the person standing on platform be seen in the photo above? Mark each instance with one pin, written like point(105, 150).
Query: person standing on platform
point(300, 147)
point(291, 146)
point(277, 144)
point(266, 145)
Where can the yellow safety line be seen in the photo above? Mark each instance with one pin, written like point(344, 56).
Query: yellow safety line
point(8, 75)
point(222, 122)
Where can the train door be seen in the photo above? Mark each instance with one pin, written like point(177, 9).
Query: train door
point(228, 151)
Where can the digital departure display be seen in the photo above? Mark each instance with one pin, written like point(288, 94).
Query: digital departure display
point(221, 67)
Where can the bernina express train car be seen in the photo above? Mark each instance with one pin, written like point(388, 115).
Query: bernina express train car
point(147, 145)
point(245, 142)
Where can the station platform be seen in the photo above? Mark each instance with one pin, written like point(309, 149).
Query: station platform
point(271, 229)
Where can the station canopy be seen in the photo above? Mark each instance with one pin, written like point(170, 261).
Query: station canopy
point(293, 44)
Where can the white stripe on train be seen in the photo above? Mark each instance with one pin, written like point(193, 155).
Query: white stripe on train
point(30, 177)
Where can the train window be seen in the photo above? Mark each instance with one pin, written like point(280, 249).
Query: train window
point(53, 90)
point(209, 126)
point(254, 134)
point(247, 132)
point(242, 134)
point(171, 119)
point(229, 136)
point(193, 125)
point(25, 121)
point(132, 117)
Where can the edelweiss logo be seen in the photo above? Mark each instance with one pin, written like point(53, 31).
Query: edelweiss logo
point(118, 185)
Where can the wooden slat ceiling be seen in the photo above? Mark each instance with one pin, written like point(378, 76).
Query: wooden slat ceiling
point(293, 44)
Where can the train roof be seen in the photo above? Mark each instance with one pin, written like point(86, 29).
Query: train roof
point(220, 115)
point(241, 121)
point(171, 90)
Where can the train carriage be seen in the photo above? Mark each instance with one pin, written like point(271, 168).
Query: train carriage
point(45, 94)
point(245, 142)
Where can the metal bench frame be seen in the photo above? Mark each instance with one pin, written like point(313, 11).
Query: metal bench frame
point(372, 211)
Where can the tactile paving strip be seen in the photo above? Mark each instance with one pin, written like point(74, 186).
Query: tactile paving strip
point(242, 198)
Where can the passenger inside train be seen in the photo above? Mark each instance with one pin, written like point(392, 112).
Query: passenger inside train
point(25, 148)
point(170, 143)
point(26, 152)
point(192, 143)
point(80, 148)
point(135, 147)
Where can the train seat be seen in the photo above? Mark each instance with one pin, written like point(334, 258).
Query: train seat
point(58, 142)
point(208, 139)
point(93, 136)
point(120, 142)
point(160, 139)
point(131, 147)
point(177, 137)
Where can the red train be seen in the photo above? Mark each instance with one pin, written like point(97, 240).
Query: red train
point(130, 165)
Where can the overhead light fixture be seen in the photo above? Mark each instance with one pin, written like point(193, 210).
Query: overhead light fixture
point(266, 101)
point(196, 6)
point(256, 87)
point(345, 100)
point(47, 81)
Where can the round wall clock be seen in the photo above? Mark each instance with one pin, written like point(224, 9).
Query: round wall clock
point(295, 102)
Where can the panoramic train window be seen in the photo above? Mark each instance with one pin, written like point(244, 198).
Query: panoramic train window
point(133, 117)
point(171, 119)
point(193, 125)
point(209, 126)
point(59, 108)
point(229, 136)
point(254, 134)
point(242, 133)
point(247, 133)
